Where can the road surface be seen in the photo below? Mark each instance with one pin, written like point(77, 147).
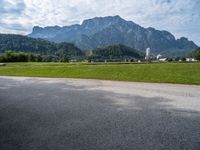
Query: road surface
point(75, 114)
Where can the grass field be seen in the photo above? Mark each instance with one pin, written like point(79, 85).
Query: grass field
point(182, 73)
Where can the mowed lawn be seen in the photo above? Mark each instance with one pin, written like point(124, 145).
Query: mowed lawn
point(183, 73)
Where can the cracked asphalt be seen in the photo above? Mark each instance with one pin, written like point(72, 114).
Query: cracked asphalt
point(78, 114)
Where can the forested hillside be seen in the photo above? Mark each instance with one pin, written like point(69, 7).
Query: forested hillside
point(19, 43)
point(117, 52)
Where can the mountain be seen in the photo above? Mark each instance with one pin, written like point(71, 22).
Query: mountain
point(117, 52)
point(104, 31)
point(21, 43)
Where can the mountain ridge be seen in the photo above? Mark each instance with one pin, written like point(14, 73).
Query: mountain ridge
point(111, 30)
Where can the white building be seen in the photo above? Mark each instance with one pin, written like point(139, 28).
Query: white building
point(163, 59)
point(148, 54)
point(2, 64)
point(158, 56)
point(191, 60)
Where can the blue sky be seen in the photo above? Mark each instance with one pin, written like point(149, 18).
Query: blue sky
point(180, 17)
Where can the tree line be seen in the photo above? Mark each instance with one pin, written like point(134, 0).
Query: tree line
point(11, 56)
point(112, 53)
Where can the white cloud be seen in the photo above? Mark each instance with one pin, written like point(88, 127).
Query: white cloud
point(182, 18)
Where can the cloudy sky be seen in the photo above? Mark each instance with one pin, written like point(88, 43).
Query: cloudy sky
point(180, 17)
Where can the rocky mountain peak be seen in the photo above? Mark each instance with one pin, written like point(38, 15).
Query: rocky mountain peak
point(113, 30)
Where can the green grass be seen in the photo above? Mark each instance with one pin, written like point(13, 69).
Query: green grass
point(182, 73)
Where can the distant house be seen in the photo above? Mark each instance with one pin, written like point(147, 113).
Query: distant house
point(2, 64)
point(73, 60)
point(191, 60)
point(158, 56)
point(163, 59)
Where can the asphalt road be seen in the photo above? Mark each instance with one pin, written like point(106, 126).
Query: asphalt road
point(74, 114)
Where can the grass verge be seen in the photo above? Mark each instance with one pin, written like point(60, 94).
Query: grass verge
point(181, 73)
